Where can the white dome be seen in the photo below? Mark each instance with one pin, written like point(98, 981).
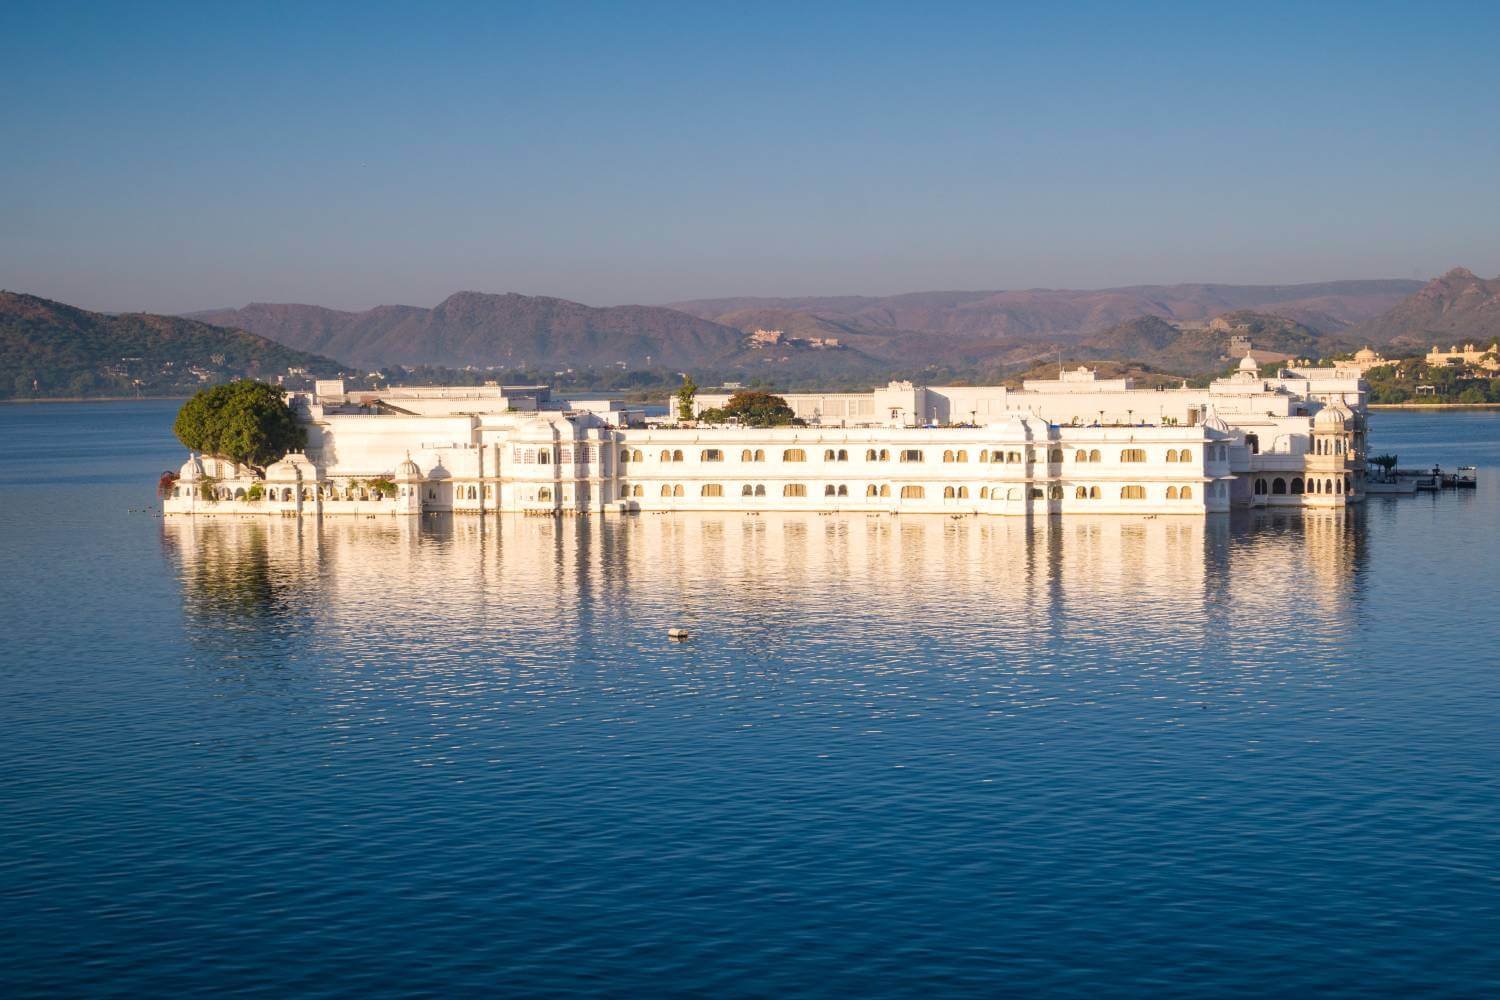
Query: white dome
point(408, 470)
point(1247, 364)
point(1331, 417)
point(191, 470)
point(1212, 421)
point(284, 471)
point(1364, 354)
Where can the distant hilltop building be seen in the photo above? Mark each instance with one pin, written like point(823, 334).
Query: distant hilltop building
point(1470, 356)
point(1076, 444)
point(778, 338)
point(1364, 359)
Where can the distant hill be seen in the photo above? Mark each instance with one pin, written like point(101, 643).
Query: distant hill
point(1198, 351)
point(1459, 306)
point(51, 349)
point(472, 328)
point(1051, 313)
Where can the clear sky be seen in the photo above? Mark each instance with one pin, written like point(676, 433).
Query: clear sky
point(175, 157)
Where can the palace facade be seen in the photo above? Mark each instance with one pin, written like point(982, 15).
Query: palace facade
point(1075, 444)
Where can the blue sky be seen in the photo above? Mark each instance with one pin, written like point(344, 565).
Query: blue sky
point(174, 157)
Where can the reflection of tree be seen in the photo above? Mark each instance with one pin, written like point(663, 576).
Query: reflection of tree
point(239, 597)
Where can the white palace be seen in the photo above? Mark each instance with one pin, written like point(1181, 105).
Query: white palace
point(1074, 444)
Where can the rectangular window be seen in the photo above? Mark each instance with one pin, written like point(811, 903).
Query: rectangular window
point(911, 455)
point(794, 490)
point(711, 455)
point(1133, 455)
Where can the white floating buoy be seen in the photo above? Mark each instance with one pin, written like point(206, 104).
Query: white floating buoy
point(678, 634)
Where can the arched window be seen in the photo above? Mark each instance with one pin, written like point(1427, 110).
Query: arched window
point(1297, 484)
point(637, 455)
point(872, 490)
point(1186, 493)
point(747, 490)
point(1054, 492)
point(843, 454)
point(666, 454)
point(829, 491)
point(1253, 441)
point(843, 490)
point(912, 493)
point(1133, 455)
point(885, 489)
point(239, 494)
point(828, 455)
point(1132, 493)
point(948, 456)
point(677, 490)
point(1338, 486)
point(676, 454)
point(760, 489)
point(984, 492)
point(1172, 492)
point(760, 454)
point(794, 490)
point(1055, 455)
point(666, 489)
point(543, 456)
point(1094, 493)
point(1278, 486)
point(1328, 486)
point(885, 455)
point(747, 455)
point(711, 455)
point(544, 495)
point(1260, 487)
point(948, 493)
point(911, 455)
point(1185, 455)
point(1081, 455)
point(1014, 493)
point(1014, 456)
point(1081, 493)
point(869, 454)
point(1348, 484)
point(984, 456)
point(960, 456)
point(1171, 454)
point(1094, 455)
point(711, 490)
point(793, 455)
point(963, 493)
point(624, 455)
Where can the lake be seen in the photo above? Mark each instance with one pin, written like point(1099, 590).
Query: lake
point(1256, 754)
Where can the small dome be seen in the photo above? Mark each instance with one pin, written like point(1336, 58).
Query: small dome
point(1365, 354)
point(1331, 417)
point(1247, 364)
point(191, 470)
point(408, 470)
point(284, 471)
point(1212, 421)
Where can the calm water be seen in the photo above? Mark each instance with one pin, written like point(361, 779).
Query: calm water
point(1256, 755)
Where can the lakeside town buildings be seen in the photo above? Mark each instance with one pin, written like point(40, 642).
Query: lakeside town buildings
point(1074, 444)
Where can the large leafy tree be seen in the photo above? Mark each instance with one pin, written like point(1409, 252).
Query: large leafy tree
point(685, 396)
point(753, 409)
point(245, 421)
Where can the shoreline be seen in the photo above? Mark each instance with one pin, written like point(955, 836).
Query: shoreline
point(1433, 406)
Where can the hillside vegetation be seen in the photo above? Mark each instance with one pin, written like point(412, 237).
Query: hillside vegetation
point(51, 349)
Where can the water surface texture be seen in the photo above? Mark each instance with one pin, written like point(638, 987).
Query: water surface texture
point(1252, 755)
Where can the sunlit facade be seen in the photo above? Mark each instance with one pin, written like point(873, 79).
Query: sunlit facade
point(1072, 445)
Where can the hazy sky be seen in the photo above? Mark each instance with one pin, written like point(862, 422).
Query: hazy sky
point(176, 157)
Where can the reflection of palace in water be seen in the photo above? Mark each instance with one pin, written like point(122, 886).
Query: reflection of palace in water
point(531, 577)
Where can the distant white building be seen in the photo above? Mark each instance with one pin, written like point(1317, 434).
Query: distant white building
point(1056, 446)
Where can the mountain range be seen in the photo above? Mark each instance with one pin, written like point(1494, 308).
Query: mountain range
point(872, 333)
point(986, 334)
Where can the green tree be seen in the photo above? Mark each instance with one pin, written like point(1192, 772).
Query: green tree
point(244, 421)
point(754, 409)
point(1473, 394)
point(685, 396)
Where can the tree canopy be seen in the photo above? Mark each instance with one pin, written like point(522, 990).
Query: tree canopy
point(246, 421)
point(685, 397)
point(753, 409)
